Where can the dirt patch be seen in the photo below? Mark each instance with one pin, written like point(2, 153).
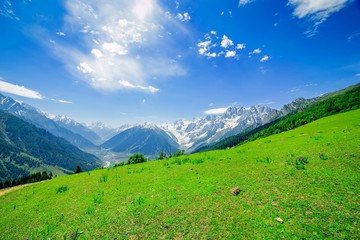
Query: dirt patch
point(11, 189)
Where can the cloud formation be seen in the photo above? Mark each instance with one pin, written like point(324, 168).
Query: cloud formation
point(244, 2)
point(120, 45)
point(265, 58)
point(214, 46)
point(185, 17)
point(317, 11)
point(216, 111)
point(7, 10)
point(22, 91)
point(19, 90)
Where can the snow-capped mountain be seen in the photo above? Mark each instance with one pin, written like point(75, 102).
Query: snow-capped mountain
point(76, 127)
point(43, 120)
point(107, 132)
point(210, 129)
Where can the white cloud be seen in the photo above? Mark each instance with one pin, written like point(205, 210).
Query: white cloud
point(213, 46)
point(85, 68)
point(265, 58)
point(256, 51)
point(61, 101)
point(97, 53)
point(120, 44)
point(230, 54)
point(216, 111)
point(62, 34)
point(143, 101)
point(244, 2)
point(114, 47)
point(184, 17)
point(7, 10)
point(240, 46)
point(226, 42)
point(19, 90)
point(357, 75)
point(317, 11)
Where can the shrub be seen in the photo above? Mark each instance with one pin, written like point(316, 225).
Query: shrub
point(300, 163)
point(103, 178)
point(137, 158)
point(322, 156)
point(62, 189)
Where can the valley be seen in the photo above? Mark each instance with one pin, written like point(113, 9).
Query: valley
point(189, 196)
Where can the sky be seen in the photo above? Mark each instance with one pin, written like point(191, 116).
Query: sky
point(119, 61)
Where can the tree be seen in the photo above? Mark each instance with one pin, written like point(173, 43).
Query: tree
point(137, 158)
point(78, 169)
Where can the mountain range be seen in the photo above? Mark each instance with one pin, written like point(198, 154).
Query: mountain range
point(32, 139)
point(55, 126)
point(189, 135)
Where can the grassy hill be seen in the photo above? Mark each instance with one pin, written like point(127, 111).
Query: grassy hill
point(308, 177)
point(329, 104)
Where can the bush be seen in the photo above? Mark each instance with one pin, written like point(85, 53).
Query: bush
point(62, 189)
point(137, 158)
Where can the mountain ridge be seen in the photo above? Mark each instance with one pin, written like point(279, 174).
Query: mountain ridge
point(25, 147)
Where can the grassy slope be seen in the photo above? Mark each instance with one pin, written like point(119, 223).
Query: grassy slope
point(162, 199)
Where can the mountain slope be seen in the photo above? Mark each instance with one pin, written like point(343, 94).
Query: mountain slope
point(106, 132)
point(78, 128)
point(24, 148)
point(148, 140)
point(305, 112)
point(189, 197)
point(38, 118)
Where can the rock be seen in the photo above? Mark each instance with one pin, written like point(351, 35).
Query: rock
point(279, 220)
point(235, 190)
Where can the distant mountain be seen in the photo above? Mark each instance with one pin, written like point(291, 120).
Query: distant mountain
point(203, 131)
point(26, 148)
point(147, 139)
point(106, 132)
point(42, 120)
point(77, 128)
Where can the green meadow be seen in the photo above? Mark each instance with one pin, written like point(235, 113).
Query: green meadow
point(307, 178)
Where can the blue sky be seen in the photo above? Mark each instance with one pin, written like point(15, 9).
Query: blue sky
point(159, 61)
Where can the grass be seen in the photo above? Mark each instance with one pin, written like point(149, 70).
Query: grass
point(190, 197)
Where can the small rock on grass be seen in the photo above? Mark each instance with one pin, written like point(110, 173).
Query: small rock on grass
point(279, 220)
point(235, 190)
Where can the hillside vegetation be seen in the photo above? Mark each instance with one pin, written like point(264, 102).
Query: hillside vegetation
point(332, 103)
point(27, 149)
point(300, 184)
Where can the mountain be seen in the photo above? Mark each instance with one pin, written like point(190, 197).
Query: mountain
point(40, 119)
point(26, 148)
point(296, 105)
point(308, 177)
point(77, 128)
point(297, 113)
point(203, 131)
point(106, 132)
point(147, 139)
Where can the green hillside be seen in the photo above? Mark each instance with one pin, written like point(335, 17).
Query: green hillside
point(26, 149)
point(307, 178)
point(329, 104)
